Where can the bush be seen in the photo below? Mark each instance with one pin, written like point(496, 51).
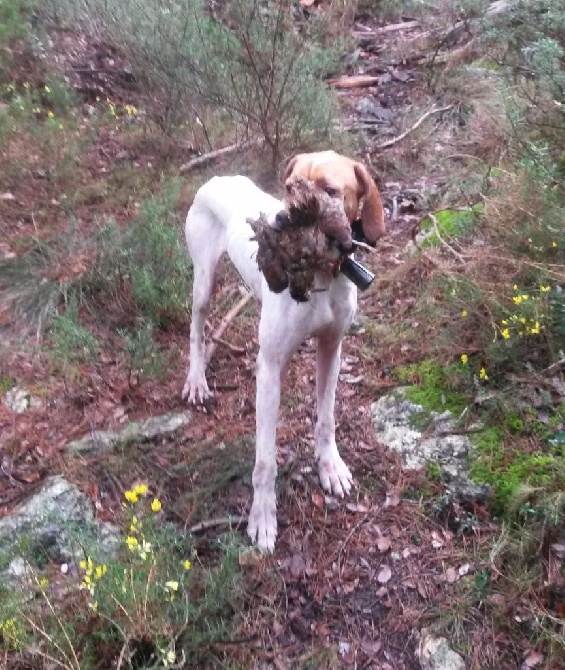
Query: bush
point(153, 605)
point(249, 63)
point(15, 17)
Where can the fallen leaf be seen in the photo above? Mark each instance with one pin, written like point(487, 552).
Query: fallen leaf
point(533, 659)
point(383, 543)
point(307, 3)
point(318, 500)
point(297, 565)
point(7, 196)
point(451, 575)
point(559, 549)
point(392, 499)
point(371, 648)
point(384, 575)
point(356, 507)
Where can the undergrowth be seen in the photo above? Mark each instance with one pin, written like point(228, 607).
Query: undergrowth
point(154, 603)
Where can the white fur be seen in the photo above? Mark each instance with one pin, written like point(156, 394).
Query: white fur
point(216, 222)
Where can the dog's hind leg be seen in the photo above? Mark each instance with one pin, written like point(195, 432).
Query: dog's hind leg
point(205, 240)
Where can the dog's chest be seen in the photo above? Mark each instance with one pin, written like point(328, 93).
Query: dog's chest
point(332, 310)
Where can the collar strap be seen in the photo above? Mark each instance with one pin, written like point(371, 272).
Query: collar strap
point(357, 233)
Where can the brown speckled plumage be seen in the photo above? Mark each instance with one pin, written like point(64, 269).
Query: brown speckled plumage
point(311, 236)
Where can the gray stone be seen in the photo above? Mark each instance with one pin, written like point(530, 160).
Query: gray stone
point(43, 528)
point(434, 653)
point(19, 399)
point(396, 419)
point(162, 426)
point(368, 109)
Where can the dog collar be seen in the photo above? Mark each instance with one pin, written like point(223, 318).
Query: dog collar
point(357, 233)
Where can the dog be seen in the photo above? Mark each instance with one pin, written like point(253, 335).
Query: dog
point(217, 223)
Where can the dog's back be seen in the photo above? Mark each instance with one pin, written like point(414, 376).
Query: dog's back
point(217, 222)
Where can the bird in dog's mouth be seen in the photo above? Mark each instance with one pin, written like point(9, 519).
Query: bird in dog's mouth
point(310, 238)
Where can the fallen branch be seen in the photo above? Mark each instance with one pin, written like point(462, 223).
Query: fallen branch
point(392, 28)
point(221, 329)
point(365, 247)
point(395, 140)
point(355, 81)
point(200, 161)
point(221, 521)
point(457, 255)
point(239, 351)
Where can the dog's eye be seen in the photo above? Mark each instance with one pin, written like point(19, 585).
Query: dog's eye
point(332, 192)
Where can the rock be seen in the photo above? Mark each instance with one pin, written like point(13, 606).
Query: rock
point(395, 419)
point(164, 425)
point(19, 399)
point(44, 527)
point(368, 109)
point(434, 653)
point(358, 324)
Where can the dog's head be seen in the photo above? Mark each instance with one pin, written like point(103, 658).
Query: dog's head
point(346, 179)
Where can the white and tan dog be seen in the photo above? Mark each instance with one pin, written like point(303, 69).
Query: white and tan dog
point(216, 223)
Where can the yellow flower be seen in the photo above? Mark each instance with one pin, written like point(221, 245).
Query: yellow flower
point(169, 658)
point(131, 542)
point(43, 582)
point(187, 565)
point(60, 126)
point(82, 565)
point(464, 359)
point(464, 313)
point(94, 606)
point(505, 334)
point(47, 89)
point(50, 114)
point(522, 319)
point(483, 374)
point(554, 244)
point(515, 287)
point(545, 289)
point(131, 496)
point(140, 489)
point(156, 505)
point(525, 296)
point(536, 329)
point(26, 85)
point(172, 586)
point(504, 322)
point(517, 299)
point(144, 549)
point(100, 571)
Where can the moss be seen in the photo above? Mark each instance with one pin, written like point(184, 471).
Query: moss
point(450, 223)
point(506, 469)
point(6, 384)
point(434, 471)
point(436, 388)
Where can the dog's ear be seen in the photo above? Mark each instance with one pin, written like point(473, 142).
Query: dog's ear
point(372, 213)
point(298, 163)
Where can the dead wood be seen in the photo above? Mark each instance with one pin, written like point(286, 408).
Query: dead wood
point(201, 161)
point(221, 329)
point(399, 138)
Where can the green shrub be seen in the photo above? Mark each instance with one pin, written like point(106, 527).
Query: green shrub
point(69, 341)
point(248, 61)
point(154, 603)
point(15, 17)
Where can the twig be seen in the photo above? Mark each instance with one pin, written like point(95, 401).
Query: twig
point(235, 350)
point(365, 247)
point(211, 156)
point(554, 367)
point(221, 521)
point(220, 330)
point(457, 255)
point(395, 140)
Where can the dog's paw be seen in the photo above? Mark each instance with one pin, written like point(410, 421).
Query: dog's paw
point(196, 390)
point(262, 525)
point(335, 476)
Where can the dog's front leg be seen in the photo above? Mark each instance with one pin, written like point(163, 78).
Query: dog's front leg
point(335, 476)
point(262, 527)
